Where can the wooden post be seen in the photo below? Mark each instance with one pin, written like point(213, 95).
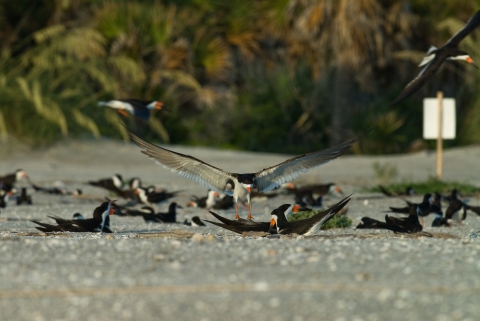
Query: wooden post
point(439, 137)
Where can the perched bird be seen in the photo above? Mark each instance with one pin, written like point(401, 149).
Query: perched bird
point(135, 107)
point(9, 180)
point(153, 197)
point(307, 227)
point(114, 183)
point(424, 208)
point(239, 185)
point(24, 197)
point(196, 221)
point(171, 215)
point(436, 56)
point(204, 202)
point(99, 222)
point(242, 225)
point(408, 192)
point(55, 190)
point(224, 202)
point(439, 220)
point(409, 224)
point(456, 210)
point(3, 198)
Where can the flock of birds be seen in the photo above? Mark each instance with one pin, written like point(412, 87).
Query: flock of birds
point(228, 189)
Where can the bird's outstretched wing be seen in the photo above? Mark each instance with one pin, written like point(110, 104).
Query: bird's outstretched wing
point(465, 31)
point(269, 178)
point(427, 72)
point(185, 165)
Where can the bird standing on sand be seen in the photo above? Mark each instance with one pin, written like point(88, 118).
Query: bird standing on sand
point(436, 56)
point(239, 185)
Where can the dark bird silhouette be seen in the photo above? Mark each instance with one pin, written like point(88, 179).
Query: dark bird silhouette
point(234, 184)
point(435, 58)
point(307, 227)
point(196, 221)
point(9, 180)
point(409, 224)
point(98, 223)
point(204, 202)
point(138, 108)
point(24, 197)
point(113, 183)
point(153, 197)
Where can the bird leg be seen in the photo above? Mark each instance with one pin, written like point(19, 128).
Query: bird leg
point(250, 217)
point(237, 217)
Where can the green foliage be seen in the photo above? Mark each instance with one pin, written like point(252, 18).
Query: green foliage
point(338, 221)
point(385, 173)
point(429, 186)
point(249, 74)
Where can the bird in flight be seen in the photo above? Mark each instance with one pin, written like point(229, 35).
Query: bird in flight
point(436, 56)
point(239, 185)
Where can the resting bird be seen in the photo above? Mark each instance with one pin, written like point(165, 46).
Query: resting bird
point(239, 185)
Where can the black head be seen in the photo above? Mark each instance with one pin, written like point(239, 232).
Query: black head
point(427, 198)
point(246, 178)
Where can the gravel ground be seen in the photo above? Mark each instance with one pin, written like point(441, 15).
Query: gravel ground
point(162, 272)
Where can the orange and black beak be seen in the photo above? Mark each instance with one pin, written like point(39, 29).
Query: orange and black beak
point(112, 209)
point(470, 61)
point(158, 105)
point(123, 112)
point(272, 222)
point(215, 194)
point(297, 208)
point(338, 190)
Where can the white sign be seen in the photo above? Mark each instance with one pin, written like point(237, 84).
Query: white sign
point(430, 118)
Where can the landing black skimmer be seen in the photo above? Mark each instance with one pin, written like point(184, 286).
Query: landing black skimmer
point(138, 108)
point(307, 227)
point(409, 224)
point(436, 56)
point(239, 185)
point(99, 222)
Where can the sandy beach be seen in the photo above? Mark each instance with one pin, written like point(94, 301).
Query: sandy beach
point(159, 272)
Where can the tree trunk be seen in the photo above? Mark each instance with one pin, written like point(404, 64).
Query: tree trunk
point(343, 99)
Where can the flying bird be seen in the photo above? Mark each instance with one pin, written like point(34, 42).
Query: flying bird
point(436, 56)
point(138, 108)
point(239, 185)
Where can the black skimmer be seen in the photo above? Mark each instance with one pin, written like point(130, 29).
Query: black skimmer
point(99, 222)
point(456, 210)
point(152, 197)
point(9, 180)
point(3, 198)
point(307, 227)
point(55, 190)
point(224, 202)
point(138, 108)
point(196, 221)
point(114, 183)
point(436, 56)
point(424, 208)
point(408, 192)
point(150, 216)
point(242, 225)
point(439, 220)
point(24, 197)
point(409, 224)
point(204, 202)
point(239, 185)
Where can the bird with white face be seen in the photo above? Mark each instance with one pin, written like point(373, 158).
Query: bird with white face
point(239, 185)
